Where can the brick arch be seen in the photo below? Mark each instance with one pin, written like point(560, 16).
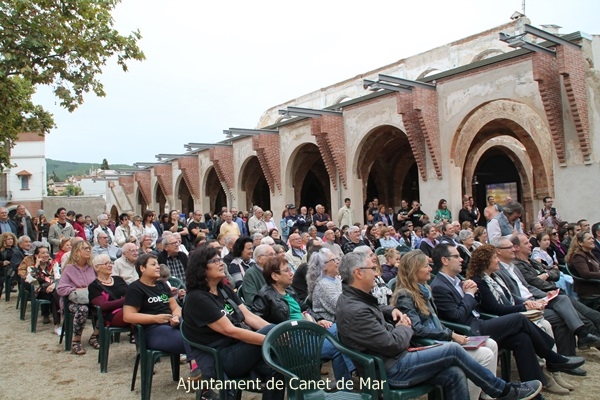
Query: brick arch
point(517, 153)
point(487, 54)
point(214, 189)
point(382, 151)
point(252, 181)
point(507, 117)
point(184, 195)
point(301, 161)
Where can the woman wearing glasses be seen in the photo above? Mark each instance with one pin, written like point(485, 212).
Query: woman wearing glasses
point(77, 274)
point(215, 316)
point(324, 285)
point(108, 292)
point(277, 302)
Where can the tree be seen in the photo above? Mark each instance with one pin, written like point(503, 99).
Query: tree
point(61, 43)
point(104, 165)
point(72, 190)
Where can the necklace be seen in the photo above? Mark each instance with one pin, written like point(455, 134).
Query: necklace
point(106, 282)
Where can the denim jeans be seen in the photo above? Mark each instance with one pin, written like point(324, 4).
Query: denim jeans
point(165, 337)
point(447, 365)
point(342, 365)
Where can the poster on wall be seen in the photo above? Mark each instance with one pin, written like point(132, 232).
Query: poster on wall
point(502, 191)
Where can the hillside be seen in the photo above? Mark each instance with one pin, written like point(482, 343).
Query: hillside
point(64, 169)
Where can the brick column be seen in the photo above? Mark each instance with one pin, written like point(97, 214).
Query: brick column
point(143, 180)
point(190, 171)
point(267, 151)
point(329, 134)
point(222, 159)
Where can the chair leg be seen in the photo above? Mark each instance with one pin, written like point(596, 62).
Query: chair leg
point(104, 349)
point(35, 308)
point(135, 370)
point(7, 286)
point(175, 367)
point(147, 375)
point(23, 306)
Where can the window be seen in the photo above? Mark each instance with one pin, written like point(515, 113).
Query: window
point(24, 182)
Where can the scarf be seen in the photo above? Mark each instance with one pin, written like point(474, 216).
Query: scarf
point(498, 289)
point(434, 320)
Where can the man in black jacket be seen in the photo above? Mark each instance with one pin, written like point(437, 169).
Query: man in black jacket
point(24, 224)
point(385, 332)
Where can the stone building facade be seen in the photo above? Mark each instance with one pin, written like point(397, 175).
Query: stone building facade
point(477, 115)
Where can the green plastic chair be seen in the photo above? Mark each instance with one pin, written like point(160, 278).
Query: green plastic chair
point(105, 338)
point(293, 348)
point(67, 325)
point(35, 309)
point(176, 283)
point(234, 393)
point(380, 251)
point(145, 359)
point(24, 297)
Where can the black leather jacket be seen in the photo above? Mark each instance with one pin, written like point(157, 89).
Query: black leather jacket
point(270, 305)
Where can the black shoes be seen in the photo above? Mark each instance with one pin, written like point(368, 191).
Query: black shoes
point(570, 364)
point(46, 319)
point(577, 372)
point(587, 341)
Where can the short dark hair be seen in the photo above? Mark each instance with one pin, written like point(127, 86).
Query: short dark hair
point(59, 210)
point(347, 199)
point(238, 246)
point(123, 216)
point(439, 251)
point(272, 266)
point(545, 199)
point(142, 261)
point(70, 213)
point(595, 228)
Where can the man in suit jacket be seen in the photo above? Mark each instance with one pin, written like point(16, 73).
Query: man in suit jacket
point(456, 302)
point(24, 224)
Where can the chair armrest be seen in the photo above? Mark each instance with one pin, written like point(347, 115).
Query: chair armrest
point(458, 328)
point(420, 341)
point(488, 316)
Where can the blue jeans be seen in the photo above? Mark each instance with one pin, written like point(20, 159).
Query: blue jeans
point(166, 338)
point(448, 366)
point(342, 365)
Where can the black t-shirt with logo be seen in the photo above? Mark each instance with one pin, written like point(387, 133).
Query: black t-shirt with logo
point(152, 300)
point(203, 308)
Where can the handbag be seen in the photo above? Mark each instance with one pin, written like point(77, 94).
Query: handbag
point(80, 296)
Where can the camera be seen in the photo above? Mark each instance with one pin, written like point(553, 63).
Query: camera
point(553, 212)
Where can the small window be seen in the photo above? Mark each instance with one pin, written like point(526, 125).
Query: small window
point(25, 182)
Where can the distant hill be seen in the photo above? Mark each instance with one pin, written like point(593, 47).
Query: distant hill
point(64, 169)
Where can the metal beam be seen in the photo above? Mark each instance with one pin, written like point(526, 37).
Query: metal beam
point(307, 112)
point(148, 164)
point(372, 85)
point(549, 36)
point(172, 156)
point(519, 41)
point(405, 82)
point(204, 146)
point(251, 132)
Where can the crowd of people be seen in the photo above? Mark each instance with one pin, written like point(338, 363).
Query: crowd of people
point(377, 286)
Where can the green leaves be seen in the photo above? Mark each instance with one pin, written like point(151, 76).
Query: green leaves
point(62, 43)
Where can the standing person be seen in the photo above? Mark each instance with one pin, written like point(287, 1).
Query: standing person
point(151, 227)
point(416, 215)
point(238, 218)
point(442, 214)
point(77, 275)
point(103, 228)
point(79, 226)
point(89, 229)
point(8, 243)
point(43, 228)
point(346, 214)
point(213, 316)
point(256, 223)
point(6, 224)
point(24, 224)
point(492, 209)
point(548, 216)
point(362, 325)
point(123, 231)
point(175, 225)
point(196, 226)
point(283, 224)
point(467, 213)
point(507, 222)
point(228, 227)
point(62, 228)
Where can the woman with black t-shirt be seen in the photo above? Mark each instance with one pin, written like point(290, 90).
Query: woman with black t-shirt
point(214, 316)
point(150, 302)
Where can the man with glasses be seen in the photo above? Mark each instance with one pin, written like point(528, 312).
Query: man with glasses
point(173, 258)
point(384, 331)
point(296, 252)
point(253, 278)
point(103, 247)
point(125, 265)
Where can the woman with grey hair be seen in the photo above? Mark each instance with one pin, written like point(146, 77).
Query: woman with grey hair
point(324, 286)
point(465, 248)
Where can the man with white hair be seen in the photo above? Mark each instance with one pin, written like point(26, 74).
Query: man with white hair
point(124, 266)
point(103, 227)
point(228, 227)
point(354, 240)
point(296, 252)
point(329, 243)
point(320, 219)
point(253, 278)
point(256, 223)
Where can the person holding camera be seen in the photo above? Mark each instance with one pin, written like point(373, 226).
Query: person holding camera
point(548, 216)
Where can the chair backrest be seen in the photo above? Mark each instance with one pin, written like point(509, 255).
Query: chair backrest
point(392, 283)
point(176, 282)
point(240, 293)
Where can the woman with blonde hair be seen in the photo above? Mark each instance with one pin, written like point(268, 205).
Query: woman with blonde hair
point(413, 298)
point(8, 241)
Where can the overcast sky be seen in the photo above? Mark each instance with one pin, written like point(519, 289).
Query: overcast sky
point(215, 65)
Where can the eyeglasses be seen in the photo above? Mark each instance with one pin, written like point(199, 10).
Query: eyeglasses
point(285, 270)
point(505, 247)
point(215, 261)
point(334, 260)
point(106, 263)
point(554, 233)
point(374, 269)
point(86, 248)
point(454, 256)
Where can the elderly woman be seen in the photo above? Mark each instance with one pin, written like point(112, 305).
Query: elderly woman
point(242, 261)
point(146, 245)
point(150, 302)
point(465, 248)
point(324, 286)
point(8, 241)
point(77, 276)
point(64, 247)
point(38, 270)
point(277, 302)
point(584, 264)
point(389, 269)
point(429, 240)
point(215, 316)
point(442, 214)
point(108, 292)
point(268, 217)
point(274, 233)
point(413, 297)
point(137, 229)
